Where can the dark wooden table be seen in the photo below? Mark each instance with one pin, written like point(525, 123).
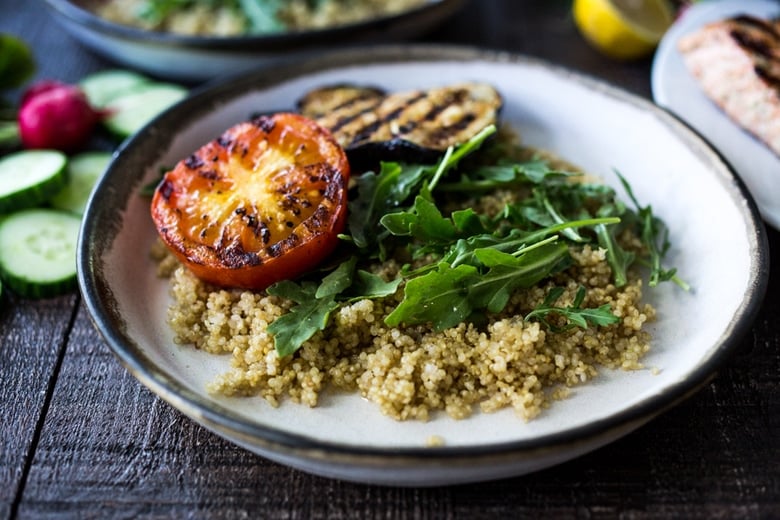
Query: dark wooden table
point(82, 438)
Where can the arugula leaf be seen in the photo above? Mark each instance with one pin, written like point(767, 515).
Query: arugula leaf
point(440, 297)
point(316, 302)
point(423, 221)
point(449, 294)
point(491, 177)
point(655, 237)
point(381, 194)
point(464, 249)
point(378, 195)
point(293, 329)
point(618, 258)
point(337, 280)
point(574, 314)
point(369, 285)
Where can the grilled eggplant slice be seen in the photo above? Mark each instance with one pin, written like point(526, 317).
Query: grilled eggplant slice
point(416, 125)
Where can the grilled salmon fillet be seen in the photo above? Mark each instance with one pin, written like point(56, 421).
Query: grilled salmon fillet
point(737, 63)
point(412, 125)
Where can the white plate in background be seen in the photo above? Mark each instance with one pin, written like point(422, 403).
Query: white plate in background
point(676, 89)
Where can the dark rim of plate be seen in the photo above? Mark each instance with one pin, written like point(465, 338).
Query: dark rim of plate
point(367, 30)
point(103, 219)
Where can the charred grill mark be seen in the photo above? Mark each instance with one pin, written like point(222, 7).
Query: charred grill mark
point(225, 141)
point(768, 77)
point(291, 203)
point(366, 132)
point(750, 43)
point(317, 219)
point(343, 121)
point(264, 232)
point(193, 162)
point(757, 23)
point(234, 256)
point(210, 175)
point(760, 38)
point(445, 132)
point(265, 123)
point(251, 221)
point(291, 241)
point(166, 189)
point(454, 98)
point(275, 250)
point(330, 100)
point(334, 183)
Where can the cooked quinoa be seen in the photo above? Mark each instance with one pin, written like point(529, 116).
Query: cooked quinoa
point(411, 372)
point(215, 19)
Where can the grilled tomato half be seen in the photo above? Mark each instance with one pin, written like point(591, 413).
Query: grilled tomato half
point(263, 202)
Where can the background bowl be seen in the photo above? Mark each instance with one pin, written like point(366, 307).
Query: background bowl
point(198, 58)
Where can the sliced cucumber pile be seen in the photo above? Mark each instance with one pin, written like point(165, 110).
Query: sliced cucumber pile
point(38, 251)
point(130, 99)
point(43, 193)
point(133, 109)
point(30, 177)
point(101, 88)
point(38, 245)
point(83, 172)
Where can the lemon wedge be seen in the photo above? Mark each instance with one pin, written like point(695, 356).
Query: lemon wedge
point(623, 29)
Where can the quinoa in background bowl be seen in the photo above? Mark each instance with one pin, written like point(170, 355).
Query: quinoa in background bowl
point(234, 19)
point(198, 57)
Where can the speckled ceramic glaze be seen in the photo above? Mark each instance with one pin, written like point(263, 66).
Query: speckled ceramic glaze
point(197, 58)
point(719, 248)
point(676, 89)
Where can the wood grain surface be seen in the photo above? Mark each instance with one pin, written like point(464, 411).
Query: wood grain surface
point(81, 438)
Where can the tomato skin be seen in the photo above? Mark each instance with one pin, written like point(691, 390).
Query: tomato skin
point(263, 202)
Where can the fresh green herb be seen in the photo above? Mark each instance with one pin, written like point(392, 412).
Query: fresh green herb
point(574, 314)
point(379, 195)
point(316, 302)
point(474, 262)
point(655, 238)
point(450, 295)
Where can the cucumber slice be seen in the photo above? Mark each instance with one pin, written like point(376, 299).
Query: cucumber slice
point(101, 88)
point(38, 252)
point(30, 177)
point(83, 172)
point(129, 112)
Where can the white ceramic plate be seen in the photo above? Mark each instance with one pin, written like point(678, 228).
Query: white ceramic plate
point(592, 124)
point(676, 89)
point(198, 58)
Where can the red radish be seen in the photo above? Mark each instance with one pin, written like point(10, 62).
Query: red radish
point(56, 115)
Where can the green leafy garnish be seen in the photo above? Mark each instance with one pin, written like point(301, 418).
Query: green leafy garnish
point(655, 237)
point(449, 295)
point(473, 262)
point(574, 314)
point(315, 302)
